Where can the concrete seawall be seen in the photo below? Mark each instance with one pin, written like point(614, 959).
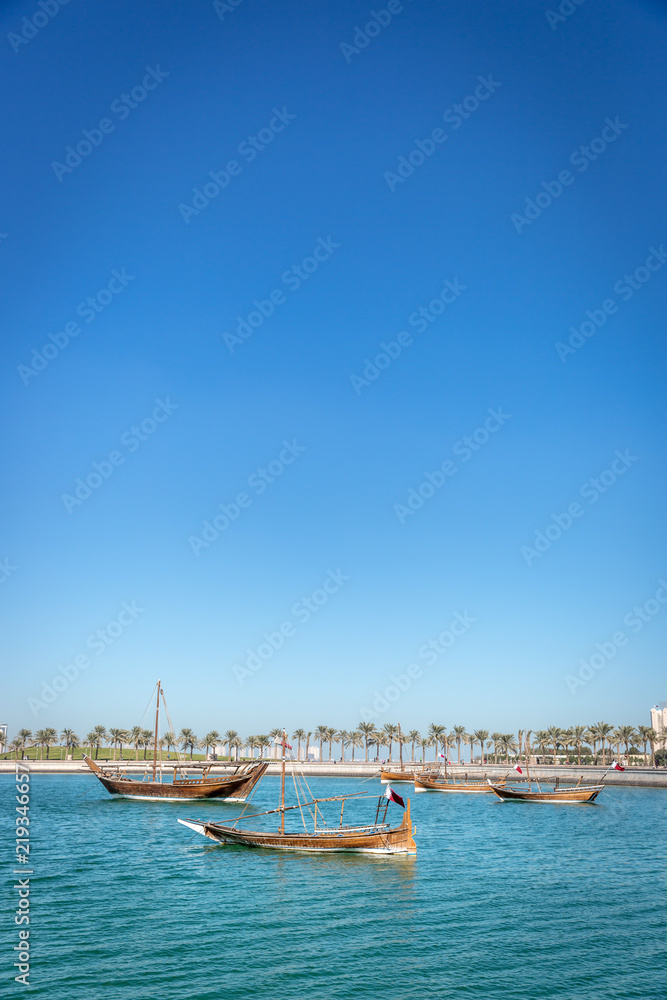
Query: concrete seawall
point(636, 776)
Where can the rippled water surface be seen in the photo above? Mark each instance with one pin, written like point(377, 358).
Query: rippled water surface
point(504, 900)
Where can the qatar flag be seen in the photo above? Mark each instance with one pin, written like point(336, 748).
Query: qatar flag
point(615, 766)
point(517, 768)
point(390, 794)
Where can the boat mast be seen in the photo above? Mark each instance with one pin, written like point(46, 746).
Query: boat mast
point(157, 714)
point(400, 745)
point(282, 789)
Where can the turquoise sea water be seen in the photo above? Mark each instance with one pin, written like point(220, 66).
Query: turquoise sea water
point(504, 900)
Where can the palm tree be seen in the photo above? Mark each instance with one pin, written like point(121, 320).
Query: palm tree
point(627, 734)
point(211, 739)
point(236, 743)
point(458, 733)
point(624, 734)
point(367, 730)
point(390, 733)
point(578, 736)
point(250, 742)
point(49, 739)
point(100, 737)
point(230, 738)
point(187, 740)
point(527, 744)
point(412, 737)
point(36, 741)
point(331, 735)
point(70, 739)
point(469, 738)
point(436, 733)
point(642, 735)
point(556, 736)
point(343, 737)
point(566, 735)
point(263, 742)
point(424, 742)
point(89, 740)
point(601, 730)
point(652, 737)
point(308, 735)
point(508, 745)
point(496, 738)
point(134, 737)
point(480, 736)
point(115, 735)
point(21, 740)
point(321, 734)
point(379, 740)
point(355, 739)
point(169, 739)
point(542, 740)
point(146, 740)
point(298, 735)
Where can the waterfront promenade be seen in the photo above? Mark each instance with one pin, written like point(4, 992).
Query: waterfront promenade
point(637, 776)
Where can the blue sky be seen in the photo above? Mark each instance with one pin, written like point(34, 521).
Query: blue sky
point(154, 373)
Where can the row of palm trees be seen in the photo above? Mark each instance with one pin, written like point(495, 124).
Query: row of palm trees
point(553, 741)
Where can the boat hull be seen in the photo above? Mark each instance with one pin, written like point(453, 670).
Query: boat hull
point(396, 776)
point(398, 840)
point(231, 788)
point(565, 795)
point(465, 787)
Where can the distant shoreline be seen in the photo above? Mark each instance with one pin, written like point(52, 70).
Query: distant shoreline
point(646, 777)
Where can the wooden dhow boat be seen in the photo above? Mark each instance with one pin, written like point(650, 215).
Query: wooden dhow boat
point(377, 837)
point(577, 792)
point(187, 782)
point(436, 782)
point(388, 776)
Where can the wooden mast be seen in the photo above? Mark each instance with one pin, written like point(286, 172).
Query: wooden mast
point(157, 714)
point(282, 789)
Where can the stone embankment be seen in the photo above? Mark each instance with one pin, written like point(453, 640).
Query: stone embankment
point(636, 776)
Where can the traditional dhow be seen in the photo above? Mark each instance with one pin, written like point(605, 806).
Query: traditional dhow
point(187, 782)
point(388, 776)
point(573, 793)
point(377, 837)
point(451, 783)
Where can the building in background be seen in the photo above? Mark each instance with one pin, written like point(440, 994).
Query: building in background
point(659, 720)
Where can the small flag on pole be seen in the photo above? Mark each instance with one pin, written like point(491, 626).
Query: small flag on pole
point(517, 768)
point(441, 755)
point(615, 766)
point(390, 794)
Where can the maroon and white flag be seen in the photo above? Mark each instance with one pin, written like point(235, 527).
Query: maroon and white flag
point(517, 768)
point(615, 766)
point(390, 794)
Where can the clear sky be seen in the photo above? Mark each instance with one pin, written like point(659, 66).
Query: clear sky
point(213, 217)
